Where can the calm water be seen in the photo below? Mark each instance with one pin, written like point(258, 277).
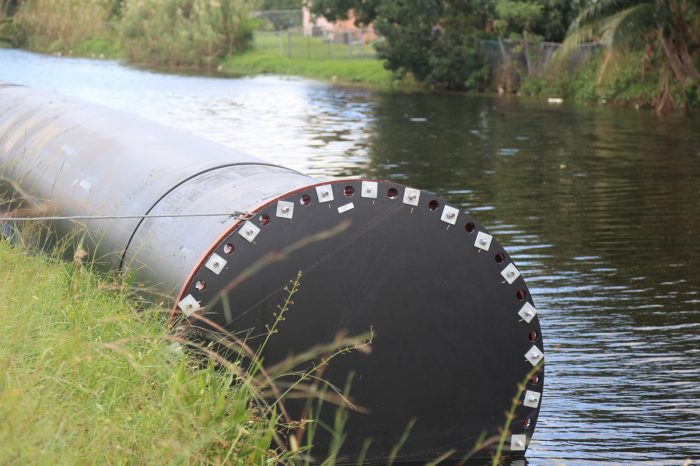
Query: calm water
point(600, 209)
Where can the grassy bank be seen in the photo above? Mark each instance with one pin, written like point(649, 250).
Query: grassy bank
point(366, 71)
point(87, 379)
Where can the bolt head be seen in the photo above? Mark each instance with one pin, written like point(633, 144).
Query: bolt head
point(285, 209)
point(519, 443)
point(450, 215)
point(324, 194)
point(483, 241)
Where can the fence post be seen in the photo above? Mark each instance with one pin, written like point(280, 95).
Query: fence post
point(289, 43)
point(349, 35)
point(281, 43)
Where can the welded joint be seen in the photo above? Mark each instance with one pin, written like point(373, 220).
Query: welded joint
point(527, 312)
point(216, 263)
point(532, 399)
point(534, 355)
point(189, 305)
point(518, 442)
point(449, 215)
point(285, 209)
point(370, 189)
point(411, 196)
point(510, 273)
point(324, 193)
point(483, 241)
point(249, 231)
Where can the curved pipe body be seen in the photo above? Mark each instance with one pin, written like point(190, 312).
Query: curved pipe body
point(455, 328)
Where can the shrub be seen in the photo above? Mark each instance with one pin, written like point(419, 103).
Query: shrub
point(60, 25)
point(187, 33)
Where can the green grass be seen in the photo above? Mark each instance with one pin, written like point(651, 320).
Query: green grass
point(85, 379)
point(312, 58)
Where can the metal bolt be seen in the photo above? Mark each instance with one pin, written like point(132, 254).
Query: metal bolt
point(412, 197)
point(529, 313)
point(285, 209)
point(483, 241)
point(451, 215)
point(324, 194)
point(249, 232)
point(511, 274)
point(535, 356)
point(216, 264)
point(518, 443)
point(533, 398)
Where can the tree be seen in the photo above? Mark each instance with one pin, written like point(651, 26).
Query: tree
point(664, 27)
point(433, 40)
point(437, 40)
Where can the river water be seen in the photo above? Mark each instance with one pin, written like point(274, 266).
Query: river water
point(599, 207)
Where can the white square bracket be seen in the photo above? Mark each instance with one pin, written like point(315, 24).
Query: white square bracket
point(285, 209)
point(527, 312)
point(534, 355)
point(216, 263)
point(483, 241)
point(510, 273)
point(411, 196)
point(324, 193)
point(189, 305)
point(532, 399)
point(370, 189)
point(249, 231)
point(518, 442)
point(449, 215)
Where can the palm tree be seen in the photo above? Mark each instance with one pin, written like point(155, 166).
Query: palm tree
point(667, 25)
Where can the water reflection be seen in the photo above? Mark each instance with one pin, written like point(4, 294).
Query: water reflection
point(600, 209)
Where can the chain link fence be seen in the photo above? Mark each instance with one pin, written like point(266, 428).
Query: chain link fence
point(285, 32)
point(512, 60)
point(294, 34)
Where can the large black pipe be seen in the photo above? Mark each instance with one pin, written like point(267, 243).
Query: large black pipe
point(454, 325)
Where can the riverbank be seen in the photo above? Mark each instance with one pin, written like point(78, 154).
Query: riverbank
point(88, 378)
point(365, 72)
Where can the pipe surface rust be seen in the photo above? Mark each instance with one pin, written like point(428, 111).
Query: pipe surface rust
point(454, 332)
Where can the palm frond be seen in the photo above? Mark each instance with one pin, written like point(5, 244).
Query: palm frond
point(582, 35)
point(599, 10)
point(627, 28)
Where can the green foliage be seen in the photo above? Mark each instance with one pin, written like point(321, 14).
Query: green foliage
point(189, 33)
point(436, 44)
point(513, 15)
point(267, 5)
point(670, 26)
point(86, 379)
point(435, 40)
point(623, 83)
point(59, 25)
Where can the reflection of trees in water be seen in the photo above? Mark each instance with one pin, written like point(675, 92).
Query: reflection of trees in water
point(617, 184)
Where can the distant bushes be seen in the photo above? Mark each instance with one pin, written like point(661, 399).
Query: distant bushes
point(181, 33)
point(60, 25)
point(184, 32)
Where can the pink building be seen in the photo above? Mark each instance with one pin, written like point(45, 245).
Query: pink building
point(336, 30)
